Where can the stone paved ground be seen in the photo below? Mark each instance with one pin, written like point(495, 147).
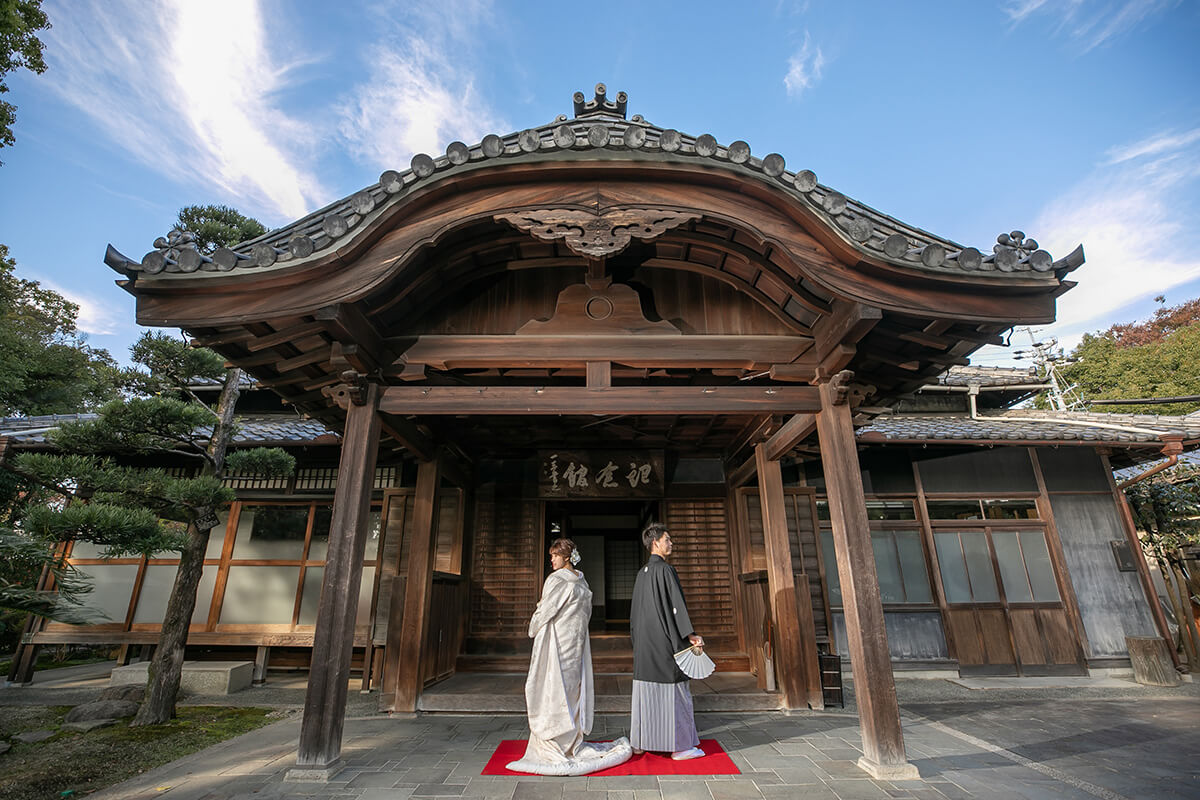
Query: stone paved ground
point(1083, 741)
point(966, 745)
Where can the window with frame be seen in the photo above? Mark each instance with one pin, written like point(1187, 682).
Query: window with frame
point(899, 553)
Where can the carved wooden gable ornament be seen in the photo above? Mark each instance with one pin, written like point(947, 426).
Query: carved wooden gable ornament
point(596, 234)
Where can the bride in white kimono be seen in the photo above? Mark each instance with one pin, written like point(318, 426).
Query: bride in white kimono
point(559, 690)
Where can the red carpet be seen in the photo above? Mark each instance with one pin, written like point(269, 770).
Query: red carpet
point(714, 762)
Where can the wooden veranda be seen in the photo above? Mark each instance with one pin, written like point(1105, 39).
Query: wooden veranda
point(597, 282)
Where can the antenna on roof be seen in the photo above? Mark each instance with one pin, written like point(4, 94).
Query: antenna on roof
point(1047, 355)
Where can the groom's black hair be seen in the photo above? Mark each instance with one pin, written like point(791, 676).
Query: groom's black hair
point(652, 533)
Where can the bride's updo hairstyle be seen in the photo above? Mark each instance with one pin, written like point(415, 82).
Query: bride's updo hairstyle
point(562, 547)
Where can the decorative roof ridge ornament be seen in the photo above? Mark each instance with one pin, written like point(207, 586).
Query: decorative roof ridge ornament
point(601, 104)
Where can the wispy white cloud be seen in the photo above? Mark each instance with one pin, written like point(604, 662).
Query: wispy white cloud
point(188, 89)
point(422, 93)
point(95, 316)
point(1165, 142)
point(1091, 23)
point(1135, 217)
point(804, 68)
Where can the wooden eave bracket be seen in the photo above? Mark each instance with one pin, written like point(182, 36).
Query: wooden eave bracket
point(351, 391)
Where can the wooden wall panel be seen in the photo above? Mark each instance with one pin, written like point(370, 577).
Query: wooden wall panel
point(803, 541)
point(702, 559)
point(396, 532)
point(997, 643)
point(693, 303)
point(1027, 636)
point(1060, 637)
point(504, 590)
point(968, 648)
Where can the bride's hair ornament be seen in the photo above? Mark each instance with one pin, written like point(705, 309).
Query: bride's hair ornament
point(575, 557)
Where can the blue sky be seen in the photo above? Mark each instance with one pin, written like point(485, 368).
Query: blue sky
point(1075, 121)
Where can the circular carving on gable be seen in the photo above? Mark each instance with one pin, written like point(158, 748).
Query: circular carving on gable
point(896, 245)
point(834, 202)
point(422, 165)
point(458, 153)
point(706, 144)
point(635, 137)
point(362, 203)
point(301, 246)
point(564, 136)
point(334, 226)
point(773, 165)
point(225, 259)
point(391, 181)
point(598, 308)
point(970, 258)
point(670, 140)
point(492, 145)
point(598, 135)
point(529, 141)
point(860, 229)
point(739, 152)
point(806, 180)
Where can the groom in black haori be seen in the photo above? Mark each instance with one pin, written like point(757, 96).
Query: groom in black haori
point(662, 717)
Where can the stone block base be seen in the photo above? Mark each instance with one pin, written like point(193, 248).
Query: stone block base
point(314, 774)
point(197, 677)
point(889, 772)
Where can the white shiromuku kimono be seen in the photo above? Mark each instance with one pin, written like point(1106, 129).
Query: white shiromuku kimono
point(559, 690)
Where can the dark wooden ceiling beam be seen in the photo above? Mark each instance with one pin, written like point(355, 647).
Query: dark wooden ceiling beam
point(642, 400)
point(408, 435)
point(285, 336)
point(349, 326)
point(557, 352)
point(847, 325)
point(794, 431)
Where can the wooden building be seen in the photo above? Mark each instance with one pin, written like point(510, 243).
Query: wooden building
point(592, 323)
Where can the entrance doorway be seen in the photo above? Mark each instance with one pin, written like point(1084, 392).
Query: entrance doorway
point(607, 534)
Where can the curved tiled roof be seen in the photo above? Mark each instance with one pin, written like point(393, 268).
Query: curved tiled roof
point(252, 430)
point(600, 131)
point(989, 376)
point(1029, 425)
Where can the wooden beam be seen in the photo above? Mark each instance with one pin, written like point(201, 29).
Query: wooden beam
point(849, 323)
point(874, 685)
point(794, 431)
point(348, 325)
point(599, 374)
point(418, 594)
point(795, 645)
point(664, 351)
point(407, 435)
point(284, 336)
point(333, 639)
point(656, 400)
point(757, 429)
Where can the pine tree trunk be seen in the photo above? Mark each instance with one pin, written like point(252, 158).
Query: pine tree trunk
point(166, 668)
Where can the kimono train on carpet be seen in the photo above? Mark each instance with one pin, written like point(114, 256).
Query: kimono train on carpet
point(559, 691)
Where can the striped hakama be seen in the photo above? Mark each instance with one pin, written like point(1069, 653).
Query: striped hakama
point(662, 718)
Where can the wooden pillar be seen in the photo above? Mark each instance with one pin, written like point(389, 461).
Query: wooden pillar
point(333, 640)
point(418, 594)
point(874, 686)
point(795, 645)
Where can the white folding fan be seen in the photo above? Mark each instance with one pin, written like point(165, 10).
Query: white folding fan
point(694, 662)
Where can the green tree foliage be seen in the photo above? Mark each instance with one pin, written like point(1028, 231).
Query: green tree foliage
point(217, 226)
point(20, 20)
point(1166, 509)
point(45, 365)
point(1156, 358)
